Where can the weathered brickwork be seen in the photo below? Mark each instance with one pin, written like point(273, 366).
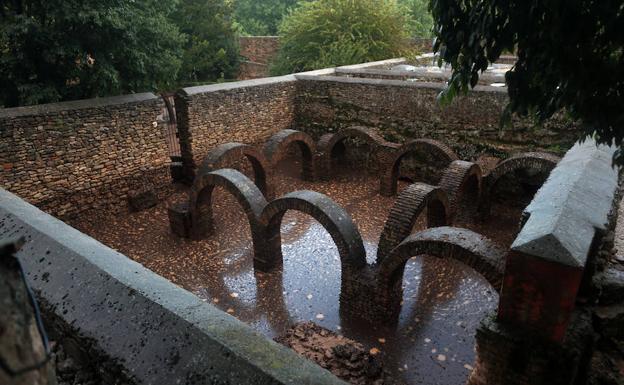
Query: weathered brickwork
point(67, 158)
point(247, 112)
point(403, 110)
point(412, 201)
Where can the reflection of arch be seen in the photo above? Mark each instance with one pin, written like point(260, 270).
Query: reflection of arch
point(466, 246)
point(390, 175)
point(535, 161)
point(328, 142)
point(462, 182)
point(329, 214)
point(277, 146)
point(406, 210)
point(228, 154)
point(237, 184)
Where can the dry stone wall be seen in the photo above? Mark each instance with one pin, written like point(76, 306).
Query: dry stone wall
point(257, 52)
point(259, 49)
point(247, 112)
point(70, 157)
point(403, 110)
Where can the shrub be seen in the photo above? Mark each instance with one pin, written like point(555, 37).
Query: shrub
point(327, 33)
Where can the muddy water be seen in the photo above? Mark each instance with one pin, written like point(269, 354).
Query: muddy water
point(444, 301)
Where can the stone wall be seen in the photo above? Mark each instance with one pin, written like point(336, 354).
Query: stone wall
point(259, 49)
point(402, 110)
point(70, 157)
point(257, 53)
point(248, 112)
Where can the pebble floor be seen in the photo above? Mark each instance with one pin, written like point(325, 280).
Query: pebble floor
point(444, 300)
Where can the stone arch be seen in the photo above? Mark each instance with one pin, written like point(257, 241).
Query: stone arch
point(277, 146)
point(328, 142)
point(227, 154)
point(406, 210)
point(466, 246)
point(390, 176)
point(328, 213)
point(536, 161)
point(462, 182)
point(236, 183)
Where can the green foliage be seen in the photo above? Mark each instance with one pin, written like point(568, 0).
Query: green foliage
point(211, 52)
point(261, 18)
point(325, 33)
point(420, 19)
point(570, 56)
point(70, 49)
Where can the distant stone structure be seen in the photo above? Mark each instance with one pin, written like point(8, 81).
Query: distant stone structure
point(258, 52)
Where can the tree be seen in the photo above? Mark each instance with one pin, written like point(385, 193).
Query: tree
point(211, 52)
point(325, 33)
point(570, 57)
point(420, 19)
point(71, 49)
point(261, 18)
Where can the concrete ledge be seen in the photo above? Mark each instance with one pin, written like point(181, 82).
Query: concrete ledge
point(252, 82)
point(75, 105)
point(484, 79)
point(389, 82)
point(157, 332)
point(395, 61)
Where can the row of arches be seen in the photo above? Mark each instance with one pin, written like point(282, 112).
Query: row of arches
point(316, 161)
point(194, 219)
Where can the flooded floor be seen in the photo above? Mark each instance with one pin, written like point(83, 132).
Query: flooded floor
point(444, 301)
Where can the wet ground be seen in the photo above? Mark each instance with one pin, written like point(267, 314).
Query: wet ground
point(444, 301)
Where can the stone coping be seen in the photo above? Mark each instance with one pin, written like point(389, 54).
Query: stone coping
point(196, 90)
point(155, 331)
point(40, 109)
point(444, 75)
point(571, 206)
point(399, 60)
point(391, 82)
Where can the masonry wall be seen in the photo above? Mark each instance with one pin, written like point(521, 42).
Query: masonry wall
point(403, 110)
point(259, 49)
point(257, 53)
point(248, 112)
point(67, 158)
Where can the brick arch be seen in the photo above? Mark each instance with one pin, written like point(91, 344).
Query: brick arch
point(390, 176)
point(466, 246)
point(236, 183)
point(462, 182)
point(328, 142)
point(277, 146)
point(535, 161)
point(328, 213)
point(406, 210)
point(227, 154)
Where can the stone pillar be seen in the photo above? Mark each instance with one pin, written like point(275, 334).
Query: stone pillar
point(21, 347)
point(507, 356)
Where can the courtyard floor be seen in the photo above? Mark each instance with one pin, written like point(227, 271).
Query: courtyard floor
point(444, 301)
